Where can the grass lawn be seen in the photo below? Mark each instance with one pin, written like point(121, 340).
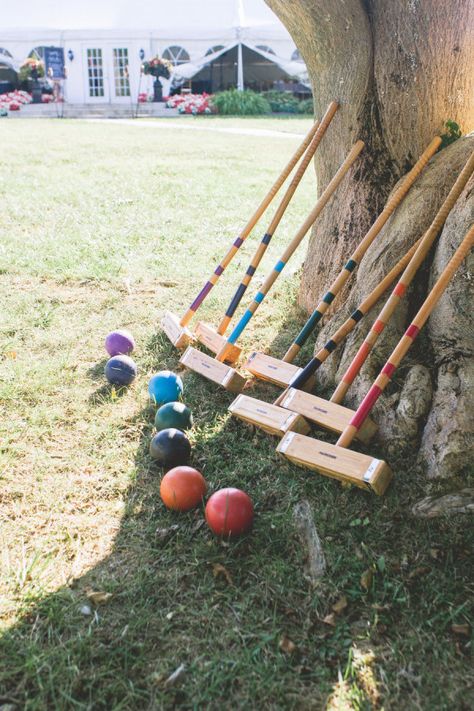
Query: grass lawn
point(104, 226)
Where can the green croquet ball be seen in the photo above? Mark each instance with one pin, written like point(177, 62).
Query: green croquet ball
point(174, 414)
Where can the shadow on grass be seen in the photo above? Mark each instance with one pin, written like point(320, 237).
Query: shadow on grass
point(224, 610)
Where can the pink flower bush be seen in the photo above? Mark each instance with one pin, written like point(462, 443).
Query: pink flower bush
point(13, 100)
point(191, 103)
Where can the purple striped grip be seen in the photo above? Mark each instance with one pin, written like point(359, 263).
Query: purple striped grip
point(201, 296)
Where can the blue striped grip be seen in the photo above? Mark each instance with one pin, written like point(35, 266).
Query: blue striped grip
point(240, 327)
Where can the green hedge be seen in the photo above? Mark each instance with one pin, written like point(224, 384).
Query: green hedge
point(241, 103)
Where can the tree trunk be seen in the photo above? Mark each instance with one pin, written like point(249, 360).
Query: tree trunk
point(400, 69)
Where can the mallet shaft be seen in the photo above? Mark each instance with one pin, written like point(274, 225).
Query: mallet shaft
point(405, 280)
point(362, 310)
point(267, 237)
point(406, 341)
point(276, 271)
point(355, 258)
point(248, 227)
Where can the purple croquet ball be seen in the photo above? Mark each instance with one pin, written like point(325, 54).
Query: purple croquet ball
point(119, 342)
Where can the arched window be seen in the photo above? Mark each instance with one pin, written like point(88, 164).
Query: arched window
point(216, 48)
point(296, 56)
point(265, 48)
point(176, 55)
point(5, 52)
point(37, 53)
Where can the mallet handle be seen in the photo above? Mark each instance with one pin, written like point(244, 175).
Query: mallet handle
point(355, 258)
point(249, 226)
point(295, 242)
point(362, 310)
point(405, 280)
point(406, 341)
point(267, 237)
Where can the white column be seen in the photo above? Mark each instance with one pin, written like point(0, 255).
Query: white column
point(240, 68)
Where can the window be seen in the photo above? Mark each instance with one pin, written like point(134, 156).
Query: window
point(216, 48)
point(296, 56)
point(265, 48)
point(5, 52)
point(176, 55)
point(37, 53)
point(95, 72)
point(122, 84)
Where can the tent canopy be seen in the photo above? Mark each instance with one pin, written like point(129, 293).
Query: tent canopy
point(185, 18)
point(219, 71)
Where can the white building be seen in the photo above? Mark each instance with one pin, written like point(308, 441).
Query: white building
point(105, 42)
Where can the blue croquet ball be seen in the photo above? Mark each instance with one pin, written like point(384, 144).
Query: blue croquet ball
point(174, 414)
point(120, 370)
point(170, 448)
point(119, 342)
point(164, 387)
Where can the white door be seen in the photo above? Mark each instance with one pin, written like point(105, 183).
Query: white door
point(119, 75)
point(97, 75)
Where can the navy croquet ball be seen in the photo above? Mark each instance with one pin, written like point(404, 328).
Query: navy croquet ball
point(170, 448)
point(119, 342)
point(174, 414)
point(164, 387)
point(120, 370)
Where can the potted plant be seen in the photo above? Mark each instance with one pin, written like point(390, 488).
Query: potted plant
point(157, 67)
point(31, 70)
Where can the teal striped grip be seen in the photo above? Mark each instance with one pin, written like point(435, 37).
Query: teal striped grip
point(307, 329)
point(279, 266)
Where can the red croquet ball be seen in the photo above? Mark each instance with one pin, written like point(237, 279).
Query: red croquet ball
point(182, 488)
point(229, 512)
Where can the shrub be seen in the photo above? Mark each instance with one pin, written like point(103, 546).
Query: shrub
point(282, 102)
point(306, 106)
point(240, 103)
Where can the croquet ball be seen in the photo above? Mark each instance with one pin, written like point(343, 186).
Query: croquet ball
point(170, 448)
point(119, 342)
point(182, 488)
point(174, 414)
point(120, 370)
point(229, 513)
point(164, 387)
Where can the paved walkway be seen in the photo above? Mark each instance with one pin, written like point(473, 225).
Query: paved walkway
point(192, 126)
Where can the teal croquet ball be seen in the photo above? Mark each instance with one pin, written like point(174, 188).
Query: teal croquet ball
point(170, 448)
point(120, 370)
point(164, 387)
point(174, 414)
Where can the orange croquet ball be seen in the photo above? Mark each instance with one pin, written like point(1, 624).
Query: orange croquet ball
point(229, 512)
point(182, 488)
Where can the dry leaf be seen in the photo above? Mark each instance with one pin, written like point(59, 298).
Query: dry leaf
point(340, 605)
point(419, 572)
point(218, 570)
point(463, 630)
point(163, 533)
point(286, 645)
point(330, 619)
point(175, 676)
point(366, 579)
point(97, 597)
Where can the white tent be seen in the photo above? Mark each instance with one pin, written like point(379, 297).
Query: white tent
point(105, 41)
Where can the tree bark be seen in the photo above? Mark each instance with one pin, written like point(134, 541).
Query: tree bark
point(400, 69)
